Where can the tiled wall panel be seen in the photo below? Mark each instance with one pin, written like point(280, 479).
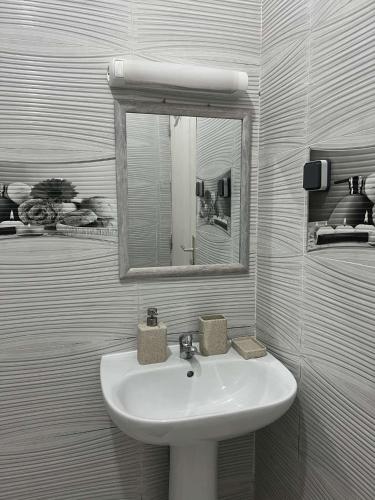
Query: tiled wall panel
point(315, 308)
point(61, 308)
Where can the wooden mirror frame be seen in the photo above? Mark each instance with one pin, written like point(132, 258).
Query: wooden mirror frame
point(122, 107)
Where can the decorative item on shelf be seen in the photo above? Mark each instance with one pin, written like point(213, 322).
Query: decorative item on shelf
point(29, 230)
point(344, 228)
point(370, 191)
point(365, 226)
point(9, 227)
point(37, 211)
point(321, 233)
point(78, 218)
point(102, 207)
point(6, 205)
point(371, 238)
point(353, 206)
point(64, 207)
point(11, 222)
point(105, 222)
point(88, 232)
point(17, 192)
point(59, 192)
point(54, 190)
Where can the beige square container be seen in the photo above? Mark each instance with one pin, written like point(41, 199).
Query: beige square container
point(213, 337)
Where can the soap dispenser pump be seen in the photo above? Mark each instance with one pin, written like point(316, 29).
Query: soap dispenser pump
point(352, 207)
point(152, 339)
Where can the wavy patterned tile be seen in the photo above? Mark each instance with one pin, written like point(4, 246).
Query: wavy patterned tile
point(283, 22)
point(56, 93)
point(337, 433)
point(278, 474)
point(101, 24)
point(154, 475)
point(87, 468)
point(181, 302)
point(277, 466)
point(338, 383)
point(279, 288)
point(341, 69)
point(48, 98)
point(229, 30)
point(284, 101)
point(281, 204)
point(236, 468)
point(338, 315)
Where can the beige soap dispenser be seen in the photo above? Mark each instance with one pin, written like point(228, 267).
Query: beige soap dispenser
point(152, 339)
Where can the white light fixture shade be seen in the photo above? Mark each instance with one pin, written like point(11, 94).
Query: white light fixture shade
point(125, 72)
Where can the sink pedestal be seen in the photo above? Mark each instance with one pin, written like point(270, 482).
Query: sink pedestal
point(193, 472)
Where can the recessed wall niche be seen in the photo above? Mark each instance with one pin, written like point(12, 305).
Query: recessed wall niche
point(344, 215)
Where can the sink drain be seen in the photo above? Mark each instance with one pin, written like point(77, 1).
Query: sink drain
point(190, 373)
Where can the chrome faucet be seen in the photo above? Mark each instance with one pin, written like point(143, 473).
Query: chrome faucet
point(187, 350)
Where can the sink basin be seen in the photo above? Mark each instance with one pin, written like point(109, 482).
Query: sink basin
point(192, 404)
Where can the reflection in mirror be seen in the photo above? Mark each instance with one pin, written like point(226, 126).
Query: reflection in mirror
point(183, 190)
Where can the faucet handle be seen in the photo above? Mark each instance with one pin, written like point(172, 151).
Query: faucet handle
point(185, 339)
point(152, 316)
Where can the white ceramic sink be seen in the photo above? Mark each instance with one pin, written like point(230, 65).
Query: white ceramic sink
point(225, 397)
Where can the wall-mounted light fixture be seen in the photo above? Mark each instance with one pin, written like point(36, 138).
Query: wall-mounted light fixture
point(124, 73)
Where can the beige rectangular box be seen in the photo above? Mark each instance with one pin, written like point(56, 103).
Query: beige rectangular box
point(213, 337)
point(249, 347)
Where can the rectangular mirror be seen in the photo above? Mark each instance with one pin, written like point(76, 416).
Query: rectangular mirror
point(182, 188)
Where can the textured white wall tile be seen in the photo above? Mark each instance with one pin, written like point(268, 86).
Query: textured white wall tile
point(180, 302)
point(284, 100)
point(339, 315)
point(279, 289)
point(342, 96)
point(236, 468)
point(281, 204)
point(283, 23)
point(277, 454)
point(277, 463)
point(88, 467)
point(337, 432)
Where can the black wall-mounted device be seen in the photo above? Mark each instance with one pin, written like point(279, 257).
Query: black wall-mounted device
point(317, 175)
